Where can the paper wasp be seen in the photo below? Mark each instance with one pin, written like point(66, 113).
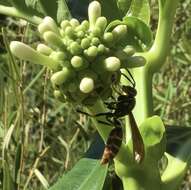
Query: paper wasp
point(118, 108)
point(123, 106)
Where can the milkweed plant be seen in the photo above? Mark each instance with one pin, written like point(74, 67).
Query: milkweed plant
point(88, 60)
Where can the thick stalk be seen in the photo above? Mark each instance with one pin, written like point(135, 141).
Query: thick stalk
point(144, 99)
point(155, 58)
point(11, 11)
point(130, 183)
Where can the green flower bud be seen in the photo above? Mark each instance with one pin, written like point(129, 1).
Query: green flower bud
point(101, 48)
point(64, 24)
point(85, 43)
point(69, 32)
point(43, 28)
point(101, 23)
point(67, 41)
point(51, 24)
point(78, 63)
point(86, 85)
point(48, 24)
point(85, 25)
point(96, 32)
point(95, 41)
point(75, 48)
point(57, 94)
point(25, 52)
point(44, 49)
point(80, 34)
point(74, 22)
point(112, 64)
point(119, 32)
point(129, 50)
point(94, 12)
point(92, 51)
point(108, 38)
point(60, 77)
point(58, 55)
point(53, 39)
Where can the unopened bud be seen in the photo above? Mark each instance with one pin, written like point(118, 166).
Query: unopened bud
point(85, 43)
point(94, 12)
point(53, 39)
point(101, 23)
point(78, 63)
point(112, 64)
point(44, 49)
point(119, 32)
point(75, 48)
point(60, 77)
point(92, 51)
point(74, 22)
point(108, 37)
point(64, 24)
point(25, 52)
point(86, 85)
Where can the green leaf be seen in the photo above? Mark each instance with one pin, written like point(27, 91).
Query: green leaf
point(141, 10)
point(17, 161)
point(138, 28)
point(58, 10)
point(137, 31)
point(5, 2)
point(7, 178)
point(49, 8)
point(22, 7)
point(176, 137)
point(96, 148)
point(124, 5)
point(87, 174)
point(63, 11)
point(35, 6)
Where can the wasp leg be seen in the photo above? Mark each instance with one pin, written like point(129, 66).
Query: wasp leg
point(85, 113)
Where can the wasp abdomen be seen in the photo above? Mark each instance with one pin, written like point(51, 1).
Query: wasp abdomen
point(112, 145)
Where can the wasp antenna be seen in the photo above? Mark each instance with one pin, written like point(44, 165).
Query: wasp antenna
point(132, 81)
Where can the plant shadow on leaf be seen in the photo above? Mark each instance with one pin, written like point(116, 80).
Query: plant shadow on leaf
point(178, 142)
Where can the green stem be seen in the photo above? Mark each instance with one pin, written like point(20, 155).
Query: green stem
point(144, 99)
point(160, 48)
point(155, 58)
point(11, 11)
point(130, 184)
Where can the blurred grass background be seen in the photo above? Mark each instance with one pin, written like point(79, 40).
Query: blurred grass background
point(46, 131)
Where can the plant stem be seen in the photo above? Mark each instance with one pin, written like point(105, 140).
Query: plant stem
point(130, 183)
point(11, 11)
point(157, 54)
point(155, 58)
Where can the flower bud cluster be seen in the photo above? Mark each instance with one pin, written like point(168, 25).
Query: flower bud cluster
point(85, 59)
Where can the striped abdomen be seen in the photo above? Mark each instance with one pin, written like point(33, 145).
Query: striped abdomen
point(112, 145)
